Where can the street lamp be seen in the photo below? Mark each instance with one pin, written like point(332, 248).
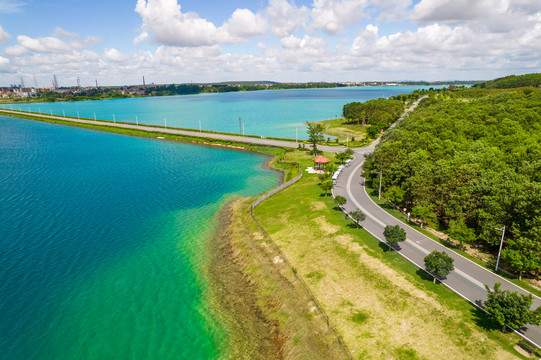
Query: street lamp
point(380, 176)
point(501, 244)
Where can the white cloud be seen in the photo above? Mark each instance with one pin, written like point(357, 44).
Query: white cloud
point(332, 16)
point(4, 36)
point(484, 15)
point(164, 23)
point(242, 25)
point(169, 26)
point(285, 17)
point(114, 55)
point(290, 42)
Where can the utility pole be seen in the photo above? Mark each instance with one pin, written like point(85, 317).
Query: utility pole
point(380, 176)
point(501, 244)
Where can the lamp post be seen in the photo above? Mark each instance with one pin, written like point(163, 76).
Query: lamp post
point(501, 244)
point(380, 176)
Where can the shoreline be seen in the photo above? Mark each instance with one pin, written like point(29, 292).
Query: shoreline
point(230, 297)
point(254, 296)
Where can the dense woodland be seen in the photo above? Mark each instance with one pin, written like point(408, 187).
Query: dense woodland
point(468, 161)
point(377, 114)
point(512, 81)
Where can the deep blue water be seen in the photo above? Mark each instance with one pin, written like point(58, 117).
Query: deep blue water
point(278, 113)
point(97, 233)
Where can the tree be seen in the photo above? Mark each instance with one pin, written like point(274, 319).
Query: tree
point(315, 134)
point(326, 186)
point(394, 235)
point(358, 216)
point(439, 264)
point(522, 254)
point(459, 231)
point(395, 194)
point(424, 213)
point(511, 308)
point(340, 200)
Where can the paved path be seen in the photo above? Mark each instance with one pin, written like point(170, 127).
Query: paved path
point(173, 131)
point(468, 278)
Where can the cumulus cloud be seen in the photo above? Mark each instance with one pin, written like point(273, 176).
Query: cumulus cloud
point(114, 55)
point(242, 25)
point(165, 23)
point(285, 17)
point(4, 36)
point(332, 16)
point(489, 15)
point(170, 26)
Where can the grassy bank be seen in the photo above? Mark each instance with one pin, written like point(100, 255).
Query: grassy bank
point(384, 306)
point(258, 297)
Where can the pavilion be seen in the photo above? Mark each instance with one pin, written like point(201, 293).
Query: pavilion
point(319, 161)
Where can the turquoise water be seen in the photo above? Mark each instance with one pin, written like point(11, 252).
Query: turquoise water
point(97, 236)
point(278, 113)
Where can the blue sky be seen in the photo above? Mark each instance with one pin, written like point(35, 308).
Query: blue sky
point(176, 41)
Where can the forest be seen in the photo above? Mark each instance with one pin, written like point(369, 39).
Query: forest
point(468, 162)
point(512, 81)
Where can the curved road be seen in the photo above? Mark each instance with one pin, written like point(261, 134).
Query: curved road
point(468, 278)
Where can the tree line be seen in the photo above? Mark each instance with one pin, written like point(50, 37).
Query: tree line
point(512, 81)
point(468, 161)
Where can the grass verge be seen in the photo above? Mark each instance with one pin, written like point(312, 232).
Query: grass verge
point(384, 306)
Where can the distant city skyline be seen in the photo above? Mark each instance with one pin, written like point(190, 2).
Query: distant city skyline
point(182, 41)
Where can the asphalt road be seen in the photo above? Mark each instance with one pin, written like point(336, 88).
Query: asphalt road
point(468, 279)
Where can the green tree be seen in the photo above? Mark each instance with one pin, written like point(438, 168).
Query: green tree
point(395, 194)
point(511, 308)
point(424, 213)
point(439, 264)
point(459, 231)
point(340, 201)
point(393, 235)
point(315, 134)
point(326, 186)
point(372, 131)
point(522, 255)
point(358, 216)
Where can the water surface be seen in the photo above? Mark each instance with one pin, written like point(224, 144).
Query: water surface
point(278, 113)
point(97, 233)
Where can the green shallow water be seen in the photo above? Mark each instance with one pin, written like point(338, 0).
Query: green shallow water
point(99, 236)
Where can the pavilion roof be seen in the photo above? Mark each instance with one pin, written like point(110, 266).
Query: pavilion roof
point(321, 160)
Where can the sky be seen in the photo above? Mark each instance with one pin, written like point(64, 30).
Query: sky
point(117, 42)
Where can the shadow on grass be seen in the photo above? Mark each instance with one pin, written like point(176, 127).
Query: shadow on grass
point(384, 247)
point(353, 225)
point(424, 275)
point(482, 319)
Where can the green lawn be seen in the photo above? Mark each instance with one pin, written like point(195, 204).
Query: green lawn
point(384, 306)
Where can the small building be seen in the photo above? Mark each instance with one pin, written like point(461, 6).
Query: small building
point(319, 162)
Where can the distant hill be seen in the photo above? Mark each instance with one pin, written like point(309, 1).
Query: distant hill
point(513, 81)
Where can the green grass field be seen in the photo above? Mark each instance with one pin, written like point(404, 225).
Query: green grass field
point(384, 306)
